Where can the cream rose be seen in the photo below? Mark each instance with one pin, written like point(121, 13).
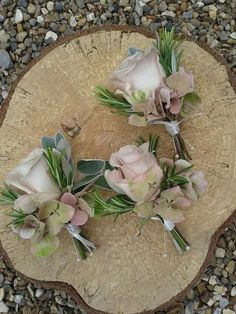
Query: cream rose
point(32, 175)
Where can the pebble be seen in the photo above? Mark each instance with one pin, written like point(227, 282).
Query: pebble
point(223, 302)
point(1, 278)
point(3, 308)
point(230, 267)
point(233, 292)
point(50, 37)
point(2, 294)
point(220, 252)
point(212, 11)
point(50, 6)
point(18, 16)
point(233, 36)
point(31, 9)
point(228, 311)
point(73, 21)
point(20, 37)
point(5, 59)
point(39, 293)
point(4, 39)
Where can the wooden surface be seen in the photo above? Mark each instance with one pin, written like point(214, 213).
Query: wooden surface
point(127, 273)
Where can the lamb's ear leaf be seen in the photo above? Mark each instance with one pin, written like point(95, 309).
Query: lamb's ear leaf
point(58, 137)
point(78, 186)
point(190, 104)
point(132, 51)
point(91, 166)
point(102, 184)
point(47, 141)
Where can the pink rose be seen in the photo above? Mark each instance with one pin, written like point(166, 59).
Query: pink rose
point(136, 173)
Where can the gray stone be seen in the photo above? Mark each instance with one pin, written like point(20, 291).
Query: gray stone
point(39, 292)
point(4, 94)
point(230, 267)
point(162, 6)
point(233, 36)
point(59, 7)
point(228, 311)
point(233, 292)
point(50, 6)
point(20, 37)
point(4, 39)
point(18, 298)
point(50, 37)
point(73, 21)
point(5, 59)
point(1, 278)
point(3, 308)
point(188, 15)
point(223, 302)
point(223, 36)
point(220, 252)
point(31, 9)
point(2, 294)
point(80, 4)
point(18, 16)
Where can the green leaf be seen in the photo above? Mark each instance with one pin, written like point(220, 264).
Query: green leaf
point(85, 181)
point(46, 246)
point(102, 184)
point(109, 99)
point(47, 141)
point(168, 49)
point(132, 51)
point(8, 196)
point(190, 104)
point(58, 137)
point(91, 167)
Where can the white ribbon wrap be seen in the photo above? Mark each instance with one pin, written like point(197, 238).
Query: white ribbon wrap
point(167, 224)
point(75, 233)
point(172, 127)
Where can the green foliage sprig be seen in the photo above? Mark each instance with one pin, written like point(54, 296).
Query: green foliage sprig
point(17, 217)
point(8, 196)
point(109, 99)
point(153, 142)
point(168, 49)
point(172, 178)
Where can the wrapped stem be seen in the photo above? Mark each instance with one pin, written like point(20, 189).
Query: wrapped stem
point(81, 243)
point(179, 242)
point(180, 147)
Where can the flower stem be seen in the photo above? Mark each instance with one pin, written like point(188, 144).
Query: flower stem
point(80, 249)
point(181, 148)
point(180, 243)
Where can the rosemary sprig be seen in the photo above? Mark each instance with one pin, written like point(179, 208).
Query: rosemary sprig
point(17, 217)
point(172, 178)
point(168, 49)
point(119, 103)
point(116, 205)
point(8, 196)
point(54, 162)
point(153, 142)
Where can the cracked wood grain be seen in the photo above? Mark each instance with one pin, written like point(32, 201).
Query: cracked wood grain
point(127, 274)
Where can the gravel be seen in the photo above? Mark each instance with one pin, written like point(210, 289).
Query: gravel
point(27, 26)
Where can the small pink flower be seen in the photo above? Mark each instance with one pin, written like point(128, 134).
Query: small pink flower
point(80, 216)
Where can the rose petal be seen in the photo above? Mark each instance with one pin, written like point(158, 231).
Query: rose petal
point(26, 233)
point(113, 178)
point(181, 82)
point(175, 106)
point(199, 183)
point(80, 218)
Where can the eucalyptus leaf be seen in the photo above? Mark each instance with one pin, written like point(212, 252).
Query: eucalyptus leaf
point(190, 104)
point(132, 51)
point(91, 166)
point(47, 141)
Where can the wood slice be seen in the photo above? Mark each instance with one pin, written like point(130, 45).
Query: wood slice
point(128, 273)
